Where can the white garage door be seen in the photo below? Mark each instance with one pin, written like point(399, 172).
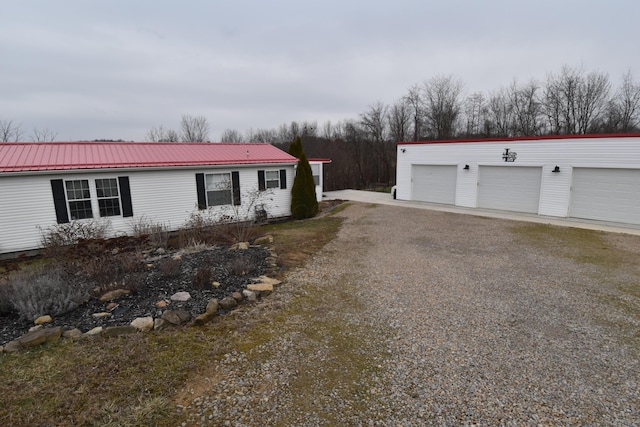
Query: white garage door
point(434, 183)
point(606, 194)
point(509, 188)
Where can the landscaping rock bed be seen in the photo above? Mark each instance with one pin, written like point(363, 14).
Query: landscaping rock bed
point(219, 272)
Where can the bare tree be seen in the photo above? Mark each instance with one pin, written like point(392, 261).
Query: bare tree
point(475, 111)
point(44, 135)
point(231, 135)
point(159, 134)
point(399, 119)
point(627, 101)
point(9, 132)
point(574, 102)
point(194, 128)
point(327, 130)
point(375, 125)
point(501, 113)
point(527, 110)
point(416, 105)
point(442, 106)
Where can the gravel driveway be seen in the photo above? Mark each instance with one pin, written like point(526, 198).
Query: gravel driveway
point(415, 317)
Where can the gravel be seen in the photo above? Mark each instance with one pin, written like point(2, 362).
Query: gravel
point(415, 317)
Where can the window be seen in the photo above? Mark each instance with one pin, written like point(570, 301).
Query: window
point(272, 179)
point(74, 199)
point(108, 200)
point(315, 170)
point(218, 186)
point(79, 198)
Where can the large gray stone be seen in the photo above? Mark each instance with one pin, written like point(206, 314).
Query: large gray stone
point(212, 306)
point(12, 347)
point(43, 319)
point(40, 336)
point(93, 332)
point(228, 302)
point(176, 317)
point(250, 295)
point(114, 294)
point(264, 240)
point(73, 334)
point(203, 318)
point(181, 296)
point(143, 324)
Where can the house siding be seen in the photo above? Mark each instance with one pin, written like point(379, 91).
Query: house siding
point(166, 196)
point(555, 190)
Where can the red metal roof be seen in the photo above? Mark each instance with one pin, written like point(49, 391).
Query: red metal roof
point(525, 138)
point(41, 156)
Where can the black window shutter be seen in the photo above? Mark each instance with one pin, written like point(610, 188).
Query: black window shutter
point(125, 196)
point(262, 184)
point(202, 196)
point(235, 182)
point(59, 201)
point(283, 179)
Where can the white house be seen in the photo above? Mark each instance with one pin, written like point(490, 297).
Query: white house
point(593, 177)
point(44, 184)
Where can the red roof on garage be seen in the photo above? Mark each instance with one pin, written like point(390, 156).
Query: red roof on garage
point(41, 156)
point(524, 138)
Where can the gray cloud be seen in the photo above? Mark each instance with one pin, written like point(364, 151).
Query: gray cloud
point(114, 69)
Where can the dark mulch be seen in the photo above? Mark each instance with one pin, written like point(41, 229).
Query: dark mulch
point(233, 269)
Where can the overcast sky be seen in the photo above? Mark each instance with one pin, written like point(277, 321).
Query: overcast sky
point(114, 69)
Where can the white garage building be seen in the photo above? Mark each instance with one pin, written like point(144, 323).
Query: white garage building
point(593, 177)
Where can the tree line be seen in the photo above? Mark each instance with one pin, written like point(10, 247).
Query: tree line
point(363, 149)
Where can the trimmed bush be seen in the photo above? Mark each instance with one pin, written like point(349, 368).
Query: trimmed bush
point(37, 293)
point(303, 193)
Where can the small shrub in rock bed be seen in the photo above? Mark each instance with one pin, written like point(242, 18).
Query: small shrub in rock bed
point(157, 234)
point(46, 291)
point(169, 267)
point(5, 297)
point(59, 236)
point(203, 278)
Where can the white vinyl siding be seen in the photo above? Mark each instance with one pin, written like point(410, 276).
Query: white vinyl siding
point(606, 194)
point(555, 193)
point(166, 196)
point(509, 188)
point(434, 183)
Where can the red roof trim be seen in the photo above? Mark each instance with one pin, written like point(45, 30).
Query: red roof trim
point(525, 138)
point(36, 156)
point(319, 160)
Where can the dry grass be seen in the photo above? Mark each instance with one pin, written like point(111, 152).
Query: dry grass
point(133, 380)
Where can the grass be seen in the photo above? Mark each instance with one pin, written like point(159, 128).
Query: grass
point(615, 264)
point(133, 380)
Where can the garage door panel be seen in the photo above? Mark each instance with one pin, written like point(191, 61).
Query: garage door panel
point(510, 188)
point(434, 183)
point(606, 194)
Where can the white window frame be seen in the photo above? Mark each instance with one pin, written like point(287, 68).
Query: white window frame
point(109, 197)
point(76, 194)
point(218, 183)
point(273, 181)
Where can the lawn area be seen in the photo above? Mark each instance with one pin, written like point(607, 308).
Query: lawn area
point(133, 380)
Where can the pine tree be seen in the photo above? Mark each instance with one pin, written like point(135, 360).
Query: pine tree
point(303, 193)
point(295, 147)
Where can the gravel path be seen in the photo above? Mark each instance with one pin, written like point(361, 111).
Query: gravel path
point(415, 317)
